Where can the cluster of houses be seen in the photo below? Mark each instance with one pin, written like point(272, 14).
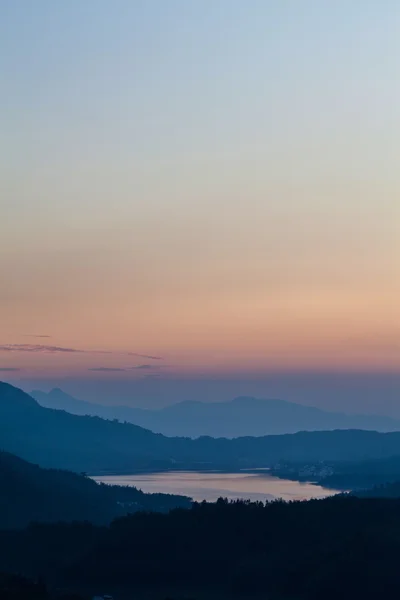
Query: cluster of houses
point(304, 471)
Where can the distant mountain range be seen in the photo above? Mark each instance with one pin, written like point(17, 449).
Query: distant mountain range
point(55, 438)
point(240, 417)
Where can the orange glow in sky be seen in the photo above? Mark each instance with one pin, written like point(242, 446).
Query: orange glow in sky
point(227, 206)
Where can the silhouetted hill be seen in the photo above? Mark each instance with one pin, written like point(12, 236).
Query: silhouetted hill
point(56, 438)
point(364, 474)
point(246, 416)
point(59, 400)
point(240, 417)
point(385, 490)
point(343, 474)
point(30, 493)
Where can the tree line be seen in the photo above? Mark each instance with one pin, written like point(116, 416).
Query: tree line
point(342, 546)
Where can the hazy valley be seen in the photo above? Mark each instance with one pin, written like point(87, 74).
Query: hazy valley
point(241, 417)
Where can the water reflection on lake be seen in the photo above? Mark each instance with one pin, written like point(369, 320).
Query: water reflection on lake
point(201, 485)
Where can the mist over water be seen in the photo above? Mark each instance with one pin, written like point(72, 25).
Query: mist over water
point(210, 486)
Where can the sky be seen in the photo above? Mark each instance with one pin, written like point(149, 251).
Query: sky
point(199, 190)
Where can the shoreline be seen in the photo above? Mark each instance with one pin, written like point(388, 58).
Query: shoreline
point(264, 472)
point(124, 472)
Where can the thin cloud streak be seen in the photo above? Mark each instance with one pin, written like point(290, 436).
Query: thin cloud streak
point(107, 370)
point(37, 348)
point(47, 349)
point(33, 335)
point(145, 356)
point(9, 369)
point(124, 370)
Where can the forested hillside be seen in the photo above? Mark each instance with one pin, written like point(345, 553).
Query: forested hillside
point(29, 493)
point(54, 438)
point(341, 547)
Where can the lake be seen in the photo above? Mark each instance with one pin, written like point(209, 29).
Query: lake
point(201, 485)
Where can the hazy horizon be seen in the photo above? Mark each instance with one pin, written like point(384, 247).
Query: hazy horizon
point(354, 393)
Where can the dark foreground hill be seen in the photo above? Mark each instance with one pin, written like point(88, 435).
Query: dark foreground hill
point(29, 493)
point(342, 547)
point(240, 417)
point(55, 438)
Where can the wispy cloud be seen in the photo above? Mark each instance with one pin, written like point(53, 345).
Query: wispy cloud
point(107, 369)
point(124, 369)
point(9, 369)
point(37, 348)
point(145, 356)
point(47, 349)
point(34, 335)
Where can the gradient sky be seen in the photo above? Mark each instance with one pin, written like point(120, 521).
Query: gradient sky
point(213, 185)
